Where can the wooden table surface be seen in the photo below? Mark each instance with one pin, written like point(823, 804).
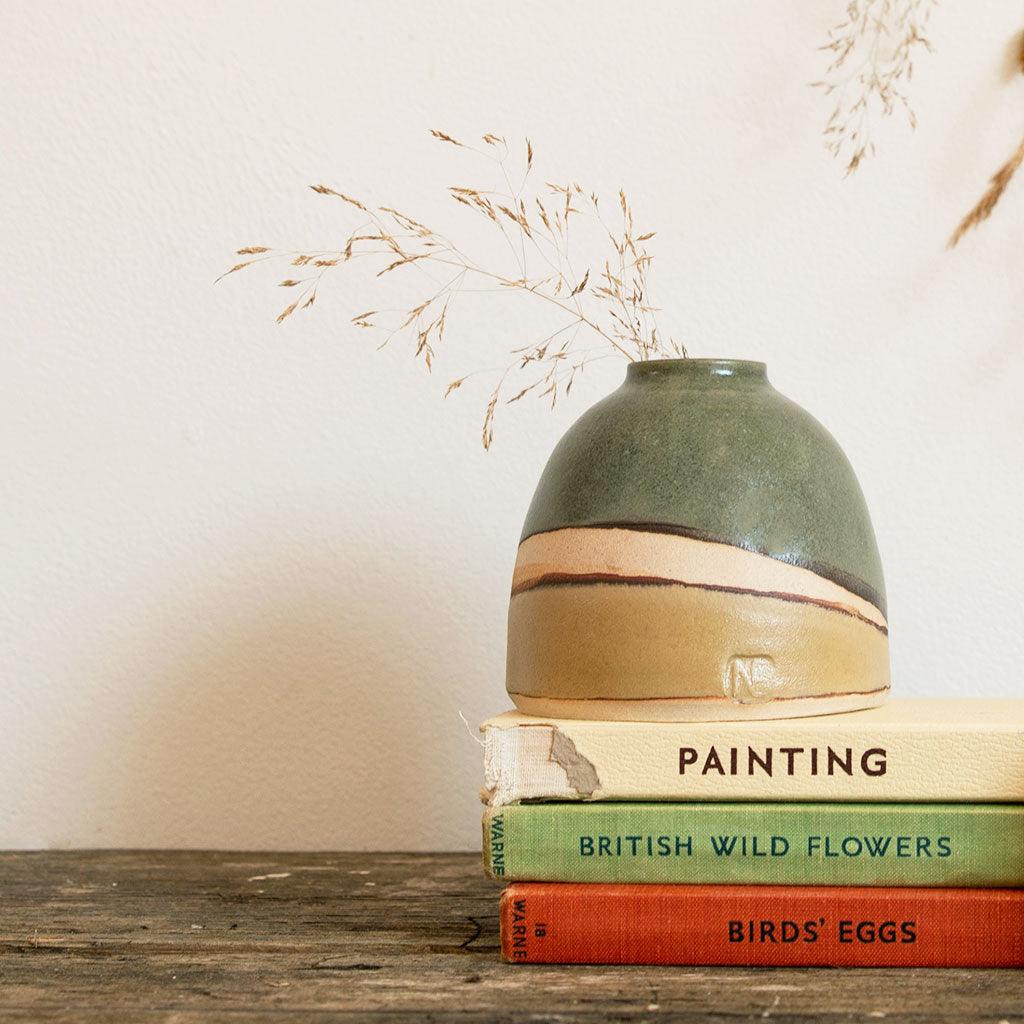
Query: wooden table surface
point(199, 937)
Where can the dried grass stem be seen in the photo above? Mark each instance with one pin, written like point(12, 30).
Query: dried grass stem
point(609, 299)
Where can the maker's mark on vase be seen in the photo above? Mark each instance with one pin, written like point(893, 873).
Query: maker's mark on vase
point(750, 679)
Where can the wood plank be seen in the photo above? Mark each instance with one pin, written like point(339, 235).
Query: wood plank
point(199, 936)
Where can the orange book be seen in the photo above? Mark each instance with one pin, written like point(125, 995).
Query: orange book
point(750, 925)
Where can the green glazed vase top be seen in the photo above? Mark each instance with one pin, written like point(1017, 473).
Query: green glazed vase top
point(708, 447)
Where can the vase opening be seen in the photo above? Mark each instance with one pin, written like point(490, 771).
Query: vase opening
point(703, 370)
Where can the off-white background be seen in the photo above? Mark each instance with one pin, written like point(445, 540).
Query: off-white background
point(251, 574)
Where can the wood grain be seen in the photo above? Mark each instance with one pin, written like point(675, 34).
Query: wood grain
point(197, 937)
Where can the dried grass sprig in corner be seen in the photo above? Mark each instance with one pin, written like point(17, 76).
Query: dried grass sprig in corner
point(872, 63)
point(602, 296)
point(999, 181)
point(997, 186)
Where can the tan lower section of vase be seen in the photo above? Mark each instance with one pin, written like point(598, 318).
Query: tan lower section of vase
point(676, 652)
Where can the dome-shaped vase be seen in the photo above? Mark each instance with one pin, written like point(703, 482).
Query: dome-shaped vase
point(698, 548)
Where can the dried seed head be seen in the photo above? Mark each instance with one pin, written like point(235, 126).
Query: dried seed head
point(444, 138)
point(984, 207)
point(324, 190)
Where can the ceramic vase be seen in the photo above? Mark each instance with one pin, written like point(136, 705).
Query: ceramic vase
point(698, 548)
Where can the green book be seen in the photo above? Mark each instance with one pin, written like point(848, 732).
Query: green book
point(976, 845)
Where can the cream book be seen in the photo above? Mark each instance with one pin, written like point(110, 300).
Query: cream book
point(968, 750)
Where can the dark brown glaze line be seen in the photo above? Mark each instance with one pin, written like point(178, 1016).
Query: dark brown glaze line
point(569, 579)
point(715, 696)
point(843, 579)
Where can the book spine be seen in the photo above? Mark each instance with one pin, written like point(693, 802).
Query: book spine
point(758, 843)
point(850, 760)
point(761, 926)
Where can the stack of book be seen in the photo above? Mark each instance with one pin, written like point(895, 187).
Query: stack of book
point(889, 837)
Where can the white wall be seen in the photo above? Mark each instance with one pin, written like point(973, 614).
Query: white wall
point(251, 574)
